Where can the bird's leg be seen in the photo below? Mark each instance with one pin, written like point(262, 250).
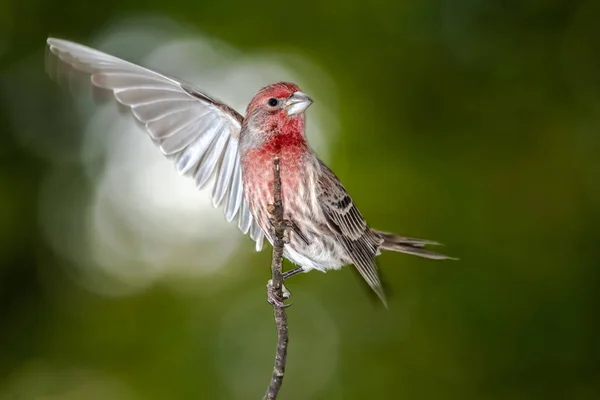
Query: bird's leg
point(292, 272)
point(272, 299)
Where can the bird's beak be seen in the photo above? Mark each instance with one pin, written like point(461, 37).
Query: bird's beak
point(297, 103)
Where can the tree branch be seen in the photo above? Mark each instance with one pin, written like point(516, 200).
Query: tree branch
point(277, 285)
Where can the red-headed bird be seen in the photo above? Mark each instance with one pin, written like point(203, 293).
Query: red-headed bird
point(207, 138)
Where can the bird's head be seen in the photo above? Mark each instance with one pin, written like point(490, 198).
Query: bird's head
point(277, 109)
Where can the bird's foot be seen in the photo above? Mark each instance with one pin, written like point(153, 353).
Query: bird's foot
point(273, 299)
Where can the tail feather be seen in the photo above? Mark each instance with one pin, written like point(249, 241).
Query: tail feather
point(410, 245)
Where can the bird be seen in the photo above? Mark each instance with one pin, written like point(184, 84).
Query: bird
point(214, 144)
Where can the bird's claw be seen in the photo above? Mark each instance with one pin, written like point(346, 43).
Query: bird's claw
point(273, 299)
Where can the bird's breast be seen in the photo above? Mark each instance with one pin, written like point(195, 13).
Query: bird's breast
point(257, 171)
point(297, 186)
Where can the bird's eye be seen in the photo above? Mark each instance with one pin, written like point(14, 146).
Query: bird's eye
point(272, 102)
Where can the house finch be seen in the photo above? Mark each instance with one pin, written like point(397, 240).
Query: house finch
point(207, 138)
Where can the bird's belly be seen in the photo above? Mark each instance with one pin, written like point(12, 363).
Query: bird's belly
point(321, 254)
point(314, 247)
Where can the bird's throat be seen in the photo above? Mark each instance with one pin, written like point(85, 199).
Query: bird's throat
point(284, 143)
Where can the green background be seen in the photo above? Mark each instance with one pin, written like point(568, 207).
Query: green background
point(472, 122)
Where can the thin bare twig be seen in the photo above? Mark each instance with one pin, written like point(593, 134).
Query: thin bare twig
point(277, 284)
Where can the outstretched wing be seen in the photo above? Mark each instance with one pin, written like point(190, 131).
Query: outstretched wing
point(199, 133)
point(345, 220)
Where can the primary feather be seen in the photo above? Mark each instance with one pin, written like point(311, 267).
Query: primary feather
point(200, 133)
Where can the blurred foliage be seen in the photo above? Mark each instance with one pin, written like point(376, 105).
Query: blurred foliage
point(471, 122)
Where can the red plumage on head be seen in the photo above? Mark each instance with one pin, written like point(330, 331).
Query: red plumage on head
point(279, 90)
point(273, 123)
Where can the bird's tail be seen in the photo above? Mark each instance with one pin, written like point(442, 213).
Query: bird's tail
point(409, 245)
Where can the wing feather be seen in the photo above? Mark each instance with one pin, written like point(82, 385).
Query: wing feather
point(352, 231)
point(200, 133)
point(235, 195)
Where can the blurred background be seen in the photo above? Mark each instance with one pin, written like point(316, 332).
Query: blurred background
point(475, 123)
